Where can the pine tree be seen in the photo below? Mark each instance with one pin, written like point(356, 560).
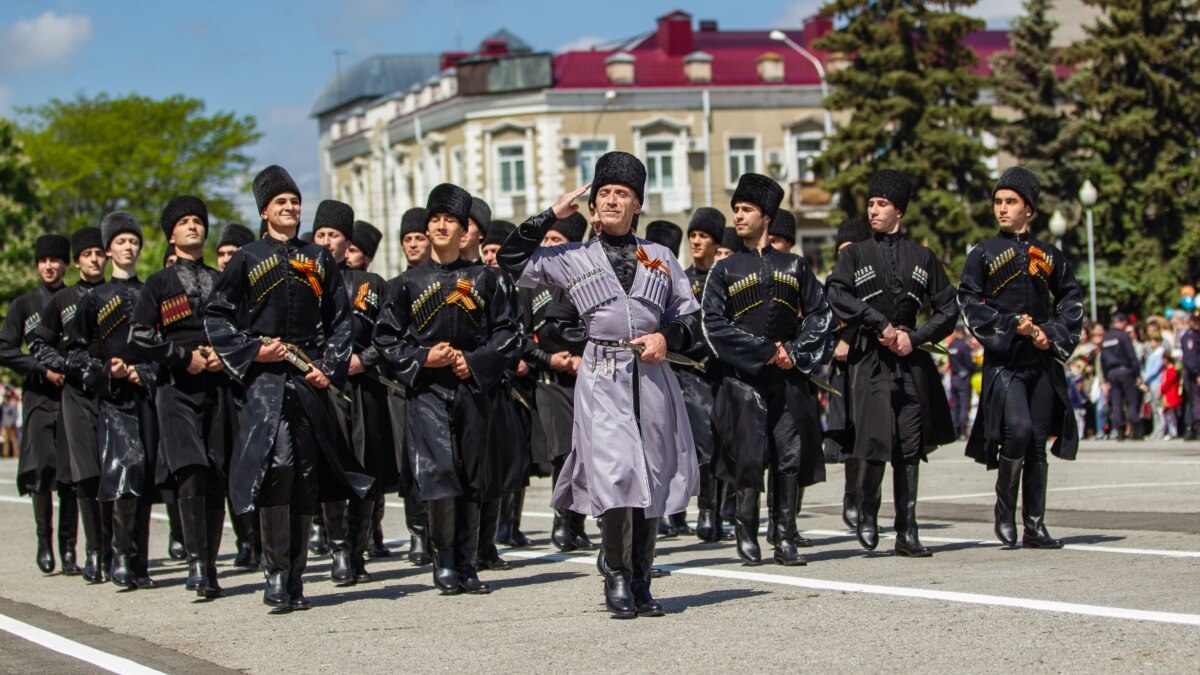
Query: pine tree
point(1026, 82)
point(20, 199)
point(914, 99)
point(1139, 131)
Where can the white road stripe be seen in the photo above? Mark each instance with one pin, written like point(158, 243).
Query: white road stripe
point(900, 591)
point(75, 650)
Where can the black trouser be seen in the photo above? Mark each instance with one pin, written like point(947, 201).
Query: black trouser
point(960, 403)
point(1028, 412)
point(1191, 403)
point(906, 402)
point(291, 477)
point(1124, 398)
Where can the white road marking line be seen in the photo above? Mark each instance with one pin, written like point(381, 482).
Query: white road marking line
point(1073, 488)
point(900, 591)
point(75, 650)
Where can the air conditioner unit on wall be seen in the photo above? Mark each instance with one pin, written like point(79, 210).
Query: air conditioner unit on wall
point(696, 144)
point(568, 143)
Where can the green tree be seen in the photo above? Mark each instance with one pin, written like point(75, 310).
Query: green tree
point(20, 200)
point(1137, 130)
point(134, 153)
point(910, 85)
point(1026, 82)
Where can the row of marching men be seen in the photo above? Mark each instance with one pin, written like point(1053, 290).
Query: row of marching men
point(295, 382)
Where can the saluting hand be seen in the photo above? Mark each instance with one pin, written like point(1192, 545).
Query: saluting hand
point(566, 205)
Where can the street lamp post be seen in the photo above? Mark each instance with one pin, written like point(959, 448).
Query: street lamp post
point(780, 36)
point(1058, 227)
point(1087, 197)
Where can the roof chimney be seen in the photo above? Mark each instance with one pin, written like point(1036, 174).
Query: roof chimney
point(815, 27)
point(675, 33)
point(708, 25)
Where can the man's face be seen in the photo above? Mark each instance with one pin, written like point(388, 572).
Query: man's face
point(616, 205)
point(472, 237)
point(91, 264)
point(1011, 211)
point(704, 247)
point(883, 215)
point(1097, 334)
point(356, 259)
point(553, 238)
point(723, 253)
point(749, 221)
point(188, 233)
point(780, 244)
point(331, 240)
point(416, 248)
point(51, 270)
point(445, 232)
point(224, 254)
point(488, 255)
point(125, 249)
point(283, 211)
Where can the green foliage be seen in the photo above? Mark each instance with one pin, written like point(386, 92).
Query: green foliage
point(99, 155)
point(20, 199)
point(915, 104)
point(1136, 134)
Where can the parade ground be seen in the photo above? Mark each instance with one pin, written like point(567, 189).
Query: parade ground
point(1124, 595)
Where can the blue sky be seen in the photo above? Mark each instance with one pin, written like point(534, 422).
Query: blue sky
point(268, 59)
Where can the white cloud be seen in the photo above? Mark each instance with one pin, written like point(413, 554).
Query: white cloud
point(48, 40)
point(997, 13)
point(582, 44)
point(289, 140)
point(798, 11)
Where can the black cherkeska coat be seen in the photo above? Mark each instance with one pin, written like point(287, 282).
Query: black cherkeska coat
point(1003, 278)
point(554, 326)
point(449, 438)
point(289, 290)
point(752, 300)
point(40, 399)
point(868, 290)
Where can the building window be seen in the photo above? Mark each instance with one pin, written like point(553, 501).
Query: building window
point(743, 154)
point(511, 168)
point(589, 152)
point(660, 167)
point(808, 149)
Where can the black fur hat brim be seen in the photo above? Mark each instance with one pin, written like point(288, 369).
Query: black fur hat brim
point(86, 238)
point(177, 208)
point(450, 200)
point(366, 238)
point(573, 227)
point(118, 222)
point(235, 234)
point(619, 168)
point(665, 233)
point(413, 221)
point(892, 186)
point(708, 220)
point(759, 190)
point(52, 246)
point(272, 182)
point(335, 215)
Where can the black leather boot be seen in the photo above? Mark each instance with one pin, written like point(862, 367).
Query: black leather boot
point(140, 563)
point(770, 485)
point(642, 557)
point(175, 546)
point(504, 522)
point(68, 532)
point(1008, 481)
point(124, 526)
point(214, 519)
point(318, 545)
point(518, 538)
point(466, 546)
point(43, 520)
point(747, 526)
point(579, 535)
point(560, 533)
point(680, 523)
point(195, 539)
point(417, 521)
point(93, 541)
point(708, 522)
point(870, 494)
point(489, 521)
point(1033, 507)
point(786, 488)
point(728, 502)
point(904, 485)
point(250, 544)
point(339, 547)
point(850, 497)
point(299, 528)
point(107, 551)
point(801, 540)
point(274, 526)
point(441, 540)
point(378, 548)
point(361, 521)
point(616, 538)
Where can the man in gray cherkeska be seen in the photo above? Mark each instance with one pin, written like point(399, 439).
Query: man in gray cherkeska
point(632, 457)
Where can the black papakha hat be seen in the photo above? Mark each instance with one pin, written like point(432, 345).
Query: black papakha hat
point(708, 220)
point(666, 233)
point(619, 168)
point(236, 234)
point(731, 240)
point(335, 215)
point(85, 238)
point(481, 213)
point(52, 246)
point(892, 186)
point(183, 205)
point(783, 225)
point(366, 238)
point(1021, 181)
point(450, 200)
point(759, 190)
point(853, 230)
point(498, 231)
point(413, 222)
point(118, 222)
point(573, 227)
point(270, 182)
